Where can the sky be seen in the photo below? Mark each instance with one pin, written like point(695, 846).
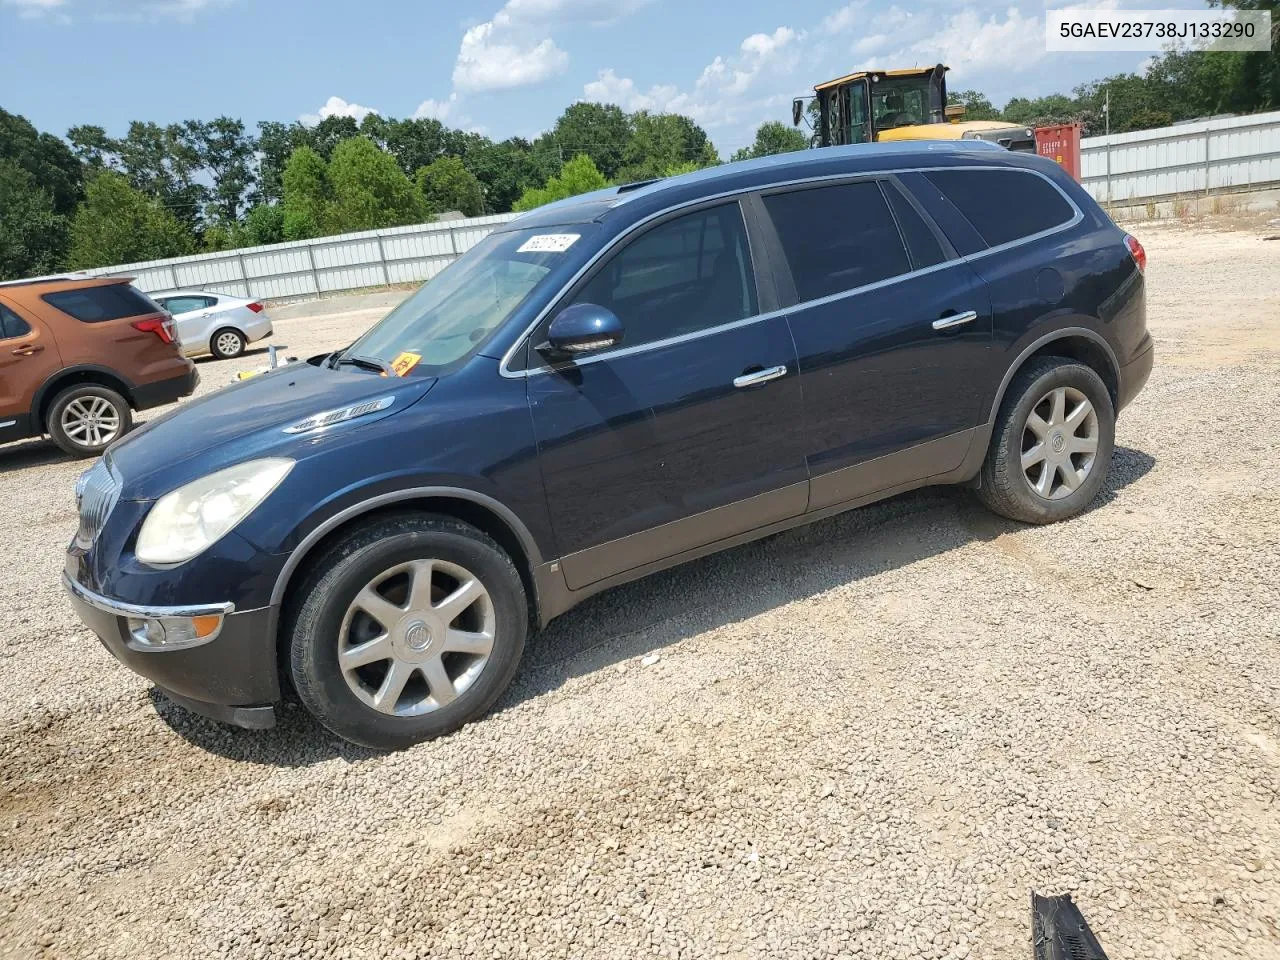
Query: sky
point(505, 69)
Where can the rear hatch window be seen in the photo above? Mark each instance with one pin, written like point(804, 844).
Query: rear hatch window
point(98, 304)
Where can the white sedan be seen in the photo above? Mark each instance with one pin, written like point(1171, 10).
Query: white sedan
point(214, 322)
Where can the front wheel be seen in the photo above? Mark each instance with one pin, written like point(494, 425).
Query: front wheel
point(406, 629)
point(1052, 444)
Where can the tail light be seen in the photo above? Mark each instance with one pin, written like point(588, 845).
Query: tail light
point(255, 307)
point(1135, 250)
point(162, 327)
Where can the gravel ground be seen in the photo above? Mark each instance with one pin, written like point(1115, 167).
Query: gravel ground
point(870, 737)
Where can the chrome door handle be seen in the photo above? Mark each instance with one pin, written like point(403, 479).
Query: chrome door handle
point(955, 320)
point(760, 376)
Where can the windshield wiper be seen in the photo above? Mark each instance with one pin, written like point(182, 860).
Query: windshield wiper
point(368, 363)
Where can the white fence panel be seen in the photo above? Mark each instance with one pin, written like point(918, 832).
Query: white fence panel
point(1225, 153)
point(309, 268)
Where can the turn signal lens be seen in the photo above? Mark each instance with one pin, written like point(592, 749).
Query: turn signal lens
point(162, 327)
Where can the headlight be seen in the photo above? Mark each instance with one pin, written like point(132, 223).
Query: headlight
point(193, 518)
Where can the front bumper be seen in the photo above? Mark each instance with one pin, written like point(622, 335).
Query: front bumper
point(231, 677)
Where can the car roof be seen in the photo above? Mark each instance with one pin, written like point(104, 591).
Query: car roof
point(633, 201)
point(197, 293)
point(36, 286)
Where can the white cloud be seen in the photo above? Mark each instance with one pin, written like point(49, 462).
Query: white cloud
point(436, 109)
point(845, 18)
point(968, 42)
point(767, 44)
point(608, 87)
point(489, 62)
point(33, 7)
point(337, 107)
point(549, 12)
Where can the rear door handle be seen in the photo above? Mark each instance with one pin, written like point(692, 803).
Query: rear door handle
point(955, 320)
point(30, 350)
point(755, 377)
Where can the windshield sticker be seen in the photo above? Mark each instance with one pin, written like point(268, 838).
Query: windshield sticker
point(405, 362)
point(548, 243)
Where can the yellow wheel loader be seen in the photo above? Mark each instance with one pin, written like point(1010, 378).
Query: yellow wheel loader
point(900, 105)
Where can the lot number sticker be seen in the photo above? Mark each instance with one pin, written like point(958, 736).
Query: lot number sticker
point(548, 243)
point(405, 362)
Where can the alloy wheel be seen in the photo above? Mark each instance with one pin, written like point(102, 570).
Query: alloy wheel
point(1059, 443)
point(91, 421)
point(228, 343)
point(416, 637)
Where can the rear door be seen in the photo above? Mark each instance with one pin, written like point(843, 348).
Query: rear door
point(689, 431)
point(893, 333)
point(28, 357)
point(192, 313)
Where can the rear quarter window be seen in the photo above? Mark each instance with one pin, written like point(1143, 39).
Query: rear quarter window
point(99, 304)
point(1004, 205)
point(12, 325)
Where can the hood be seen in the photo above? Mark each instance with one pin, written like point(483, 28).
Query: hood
point(246, 421)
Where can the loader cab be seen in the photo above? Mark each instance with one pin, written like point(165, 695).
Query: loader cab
point(861, 107)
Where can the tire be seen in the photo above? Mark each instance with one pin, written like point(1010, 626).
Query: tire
point(376, 562)
point(227, 343)
point(1019, 493)
point(87, 418)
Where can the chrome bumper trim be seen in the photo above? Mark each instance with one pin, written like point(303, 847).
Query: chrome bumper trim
point(120, 609)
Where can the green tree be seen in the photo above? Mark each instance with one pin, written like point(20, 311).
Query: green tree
point(508, 168)
point(307, 195)
point(976, 106)
point(446, 184)
point(414, 143)
point(577, 176)
point(601, 131)
point(661, 142)
point(226, 152)
point(93, 147)
point(45, 157)
point(120, 224)
point(276, 143)
point(370, 190)
point(773, 137)
point(264, 224)
point(33, 235)
point(331, 131)
point(164, 162)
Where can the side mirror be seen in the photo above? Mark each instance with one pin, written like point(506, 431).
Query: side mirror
point(797, 111)
point(582, 328)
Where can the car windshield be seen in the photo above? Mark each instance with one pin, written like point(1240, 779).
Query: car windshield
point(451, 316)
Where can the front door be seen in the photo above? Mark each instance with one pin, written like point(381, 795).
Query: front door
point(688, 432)
point(28, 357)
point(893, 333)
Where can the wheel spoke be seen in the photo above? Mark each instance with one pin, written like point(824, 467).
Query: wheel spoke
point(1059, 413)
point(456, 603)
point(420, 573)
point(1036, 424)
point(1033, 456)
point(1070, 477)
point(1082, 445)
point(371, 651)
point(388, 694)
point(1045, 483)
point(376, 606)
point(77, 428)
point(1079, 414)
point(465, 641)
point(442, 688)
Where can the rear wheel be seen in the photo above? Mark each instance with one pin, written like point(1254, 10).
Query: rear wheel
point(1052, 444)
point(227, 343)
point(407, 629)
point(85, 419)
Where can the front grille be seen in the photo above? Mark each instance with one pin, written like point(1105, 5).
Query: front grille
point(96, 493)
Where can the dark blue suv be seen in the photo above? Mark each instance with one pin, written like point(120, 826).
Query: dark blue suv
point(602, 388)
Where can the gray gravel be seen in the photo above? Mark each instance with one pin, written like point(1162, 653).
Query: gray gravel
point(871, 737)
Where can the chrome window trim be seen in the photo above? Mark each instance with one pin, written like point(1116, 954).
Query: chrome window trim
point(505, 371)
point(120, 609)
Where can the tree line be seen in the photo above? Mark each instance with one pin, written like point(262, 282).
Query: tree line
point(91, 199)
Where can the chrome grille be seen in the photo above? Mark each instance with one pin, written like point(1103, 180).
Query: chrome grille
point(96, 493)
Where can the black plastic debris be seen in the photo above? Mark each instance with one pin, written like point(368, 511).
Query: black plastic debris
point(1059, 931)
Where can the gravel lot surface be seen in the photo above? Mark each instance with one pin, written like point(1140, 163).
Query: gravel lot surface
point(871, 737)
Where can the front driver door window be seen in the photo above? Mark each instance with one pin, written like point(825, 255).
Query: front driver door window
point(649, 449)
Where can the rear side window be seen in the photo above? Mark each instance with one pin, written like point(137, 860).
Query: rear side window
point(12, 325)
point(837, 238)
point(97, 304)
point(1004, 205)
point(187, 304)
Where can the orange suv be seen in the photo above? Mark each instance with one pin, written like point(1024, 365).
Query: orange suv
point(78, 355)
